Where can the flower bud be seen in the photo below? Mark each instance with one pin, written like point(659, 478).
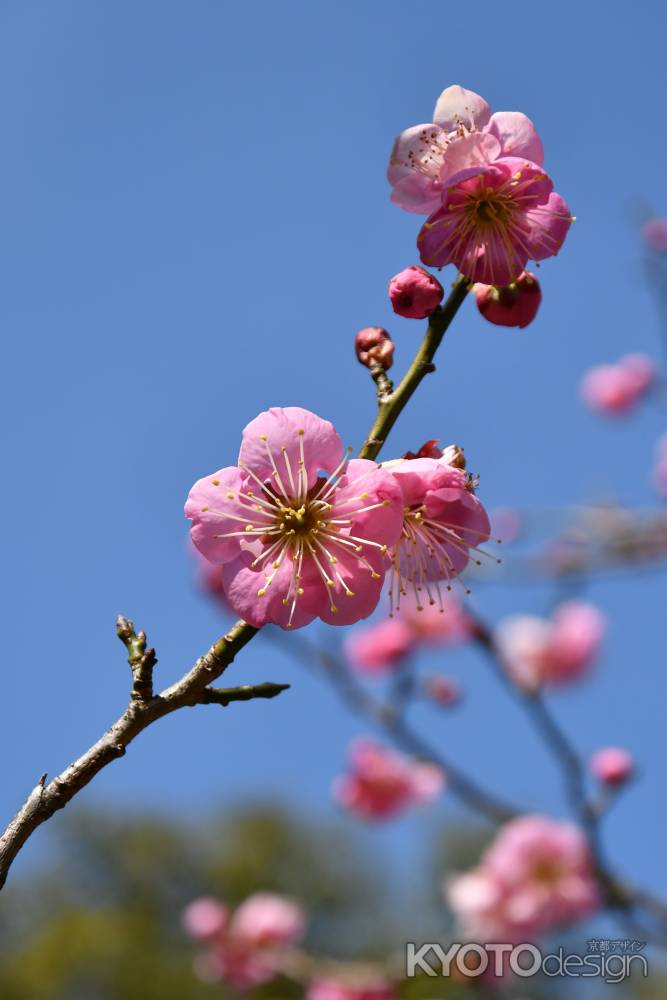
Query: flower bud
point(612, 765)
point(374, 346)
point(655, 235)
point(415, 293)
point(513, 305)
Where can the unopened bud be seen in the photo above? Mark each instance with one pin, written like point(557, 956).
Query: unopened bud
point(612, 765)
point(513, 305)
point(415, 293)
point(374, 346)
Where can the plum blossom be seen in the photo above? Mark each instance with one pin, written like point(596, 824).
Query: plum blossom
point(494, 218)
point(537, 875)
point(379, 648)
point(654, 233)
point(245, 949)
point(615, 389)
point(514, 305)
point(612, 765)
point(442, 624)
point(373, 346)
point(382, 783)
point(537, 651)
point(463, 135)
point(338, 989)
point(300, 529)
point(660, 467)
point(443, 523)
point(414, 293)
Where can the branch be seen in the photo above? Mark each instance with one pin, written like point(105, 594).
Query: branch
point(224, 696)
point(46, 799)
point(144, 708)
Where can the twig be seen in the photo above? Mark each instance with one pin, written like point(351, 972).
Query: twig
point(224, 696)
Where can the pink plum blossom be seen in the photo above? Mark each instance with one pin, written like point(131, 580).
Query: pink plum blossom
point(612, 765)
point(337, 989)
point(440, 624)
point(246, 950)
point(536, 876)
point(654, 233)
point(301, 530)
point(614, 389)
point(463, 135)
point(493, 219)
point(415, 293)
point(443, 522)
point(382, 783)
point(378, 648)
point(660, 467)
point(514, 305)
point(205, 919)
point(537, 651)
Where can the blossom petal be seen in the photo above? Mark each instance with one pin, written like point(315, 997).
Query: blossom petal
point(549, 225)
point(417, 193)
point(382, 524)
point(517, 135)
point(242, 586)
point(473, 150)
point(282, 431)
point(418, 475)
point(456, 106)
point(414, 168)
point(209, 506)
point(364, 578)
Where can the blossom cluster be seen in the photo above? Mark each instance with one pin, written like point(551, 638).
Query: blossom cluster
point(303, 531)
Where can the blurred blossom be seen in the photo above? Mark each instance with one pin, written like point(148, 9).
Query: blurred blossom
point(507, 524)
point(612, 765)
point(382, 783)
point(436, 624)
point(654, 234)
point(377, 648)
point(414, 293)
point(660, 467)
point(537, 875)
point(246, 950)
point(617, 388)
point(538, 651)
point(209, 578)
point(336, 989)
point(442, 690)
point(205, 918)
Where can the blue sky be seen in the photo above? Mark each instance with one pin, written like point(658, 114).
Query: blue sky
point(195, 222)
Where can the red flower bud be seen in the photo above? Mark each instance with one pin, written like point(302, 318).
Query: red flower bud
point(513, 305)
point(415, 293)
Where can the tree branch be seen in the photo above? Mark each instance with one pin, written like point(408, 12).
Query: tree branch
point(224, 696)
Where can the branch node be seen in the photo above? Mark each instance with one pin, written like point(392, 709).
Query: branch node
point(141, 660)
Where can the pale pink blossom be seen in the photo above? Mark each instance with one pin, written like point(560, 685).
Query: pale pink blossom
point(300, 530)
point(536, 876)
point(382, 783)
point(513, 305)
point(493, 220)
point(443, 526)
point(415, 293)
point(337, 989)
point(612, 765)
point(463, 134)
point(654, 233)
point(246, 950)
point(379, 648)
point(537, 651)
point(441, 624)
point(205, 919)
point(614, 389)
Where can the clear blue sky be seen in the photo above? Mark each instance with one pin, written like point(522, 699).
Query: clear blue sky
point(194, 223)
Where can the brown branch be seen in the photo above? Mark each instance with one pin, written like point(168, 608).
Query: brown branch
point(46, 799)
